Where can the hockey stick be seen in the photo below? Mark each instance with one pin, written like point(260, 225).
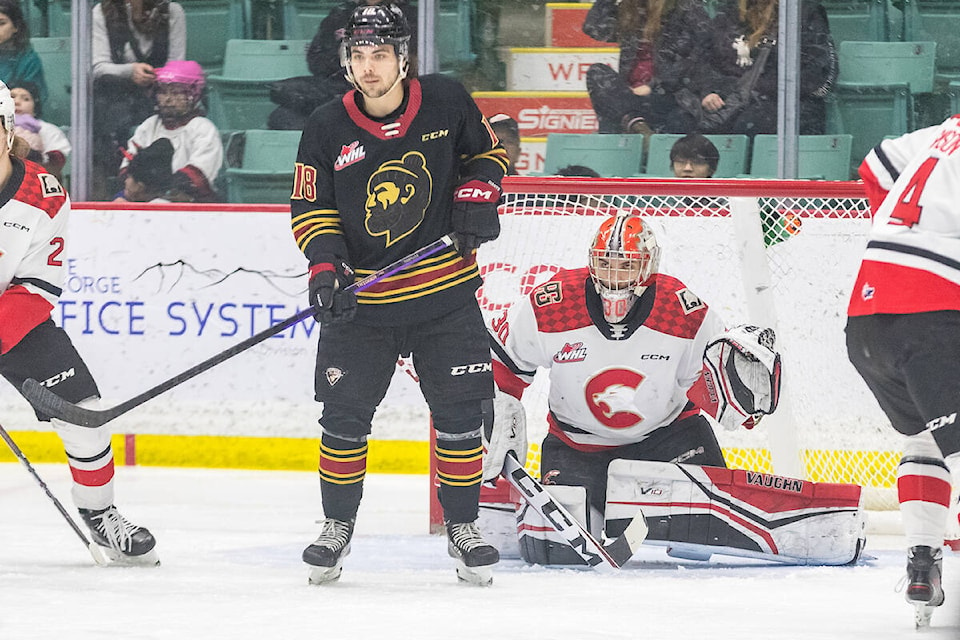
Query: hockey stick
point(91, 547)
point(47, 402)
point(603, 557)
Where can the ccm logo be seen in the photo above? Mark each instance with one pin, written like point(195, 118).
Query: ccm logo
point(58, 378)
point(475, 194)
point(464, 369)
point(654, 356)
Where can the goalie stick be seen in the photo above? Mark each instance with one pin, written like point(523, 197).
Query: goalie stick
point(603, 557)
point(48, 403)
point(91, 547)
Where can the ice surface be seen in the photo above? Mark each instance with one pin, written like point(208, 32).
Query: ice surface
point(230, 543)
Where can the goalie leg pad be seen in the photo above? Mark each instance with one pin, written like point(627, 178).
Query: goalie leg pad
point(699, 511)
point(539, 542)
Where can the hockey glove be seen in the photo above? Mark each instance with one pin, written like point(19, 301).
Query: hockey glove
point(506, 433)
point(330, 301)
point(475, 219)
point(745, 370)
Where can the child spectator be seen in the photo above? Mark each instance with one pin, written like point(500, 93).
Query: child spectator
point(19, 63)
point(694, 156)
point(49, 146)
point(148, 176)
point(197, 148)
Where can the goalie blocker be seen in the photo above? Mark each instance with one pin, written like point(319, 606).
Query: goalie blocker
point(696, 512)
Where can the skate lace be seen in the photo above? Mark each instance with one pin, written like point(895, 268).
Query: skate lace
point(334, 533)
point(117, 531)
point(466, 536)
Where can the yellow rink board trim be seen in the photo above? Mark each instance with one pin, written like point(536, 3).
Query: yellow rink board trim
point(874, 468)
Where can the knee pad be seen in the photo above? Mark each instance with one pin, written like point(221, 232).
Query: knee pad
point(463, 419)
point(347, 422)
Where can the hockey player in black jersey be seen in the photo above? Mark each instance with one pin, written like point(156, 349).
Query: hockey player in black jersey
point(396, 164)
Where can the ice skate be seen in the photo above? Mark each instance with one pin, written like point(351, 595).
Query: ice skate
point(325, 556)
point(923, 582)
point(473, 555)
point(122, 541)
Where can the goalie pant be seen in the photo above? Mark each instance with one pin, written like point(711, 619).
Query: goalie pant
point(696, 512)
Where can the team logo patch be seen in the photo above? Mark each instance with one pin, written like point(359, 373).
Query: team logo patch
point(867, 291)
point(349, 154)
point(575, 352)
point(333, 375)
point(50, 186)
point(689, 301)
point(610, 398)
point(398, 194)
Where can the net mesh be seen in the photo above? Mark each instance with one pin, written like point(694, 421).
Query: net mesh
point(808, 236)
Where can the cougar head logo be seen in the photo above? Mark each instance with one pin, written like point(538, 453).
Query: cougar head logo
point(610, 396)
point(398, 194)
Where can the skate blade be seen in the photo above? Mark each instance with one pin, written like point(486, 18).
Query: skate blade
point(478, 576)
point(324, 575)
point(922, 614)
point(148, 559)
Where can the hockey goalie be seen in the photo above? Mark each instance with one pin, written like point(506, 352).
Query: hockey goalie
point(640, 372)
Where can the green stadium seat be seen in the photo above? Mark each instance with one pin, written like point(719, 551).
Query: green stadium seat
point(825, 157)
point(302, 18)
point(59, 18)
point(453, 38)
point(240, 96)
point(732, 148)
point(55, 56)
point(874, 95)
point(266, 172)
point(938, 21)
point(610, 155)
point(861, 20)
point(210, 24)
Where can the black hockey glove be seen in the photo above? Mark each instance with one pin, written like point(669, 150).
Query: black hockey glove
point(475, 218)
point(330, 301)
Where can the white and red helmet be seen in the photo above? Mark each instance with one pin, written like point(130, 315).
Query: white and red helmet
point(7, 113)
point(624, 260)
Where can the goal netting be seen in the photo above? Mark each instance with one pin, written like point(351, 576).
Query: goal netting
point(775, 253)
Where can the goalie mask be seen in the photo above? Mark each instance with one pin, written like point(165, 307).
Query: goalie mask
point(375, 25)
point(624, 258)
point(7, 111)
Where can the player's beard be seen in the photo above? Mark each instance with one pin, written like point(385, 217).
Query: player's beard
point(379, 87)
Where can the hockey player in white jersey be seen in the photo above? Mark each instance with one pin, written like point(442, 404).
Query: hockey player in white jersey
point(637, 360)
point(33, 239)
point(903, 331)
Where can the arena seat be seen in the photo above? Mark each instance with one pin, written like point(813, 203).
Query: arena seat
point(266, 171)
point(825, 157)
point(55, 56)
point(860, 20)
point(939, 21)
point(210, 24)
point(240, 96)
point(732, 148)
point(610, 155)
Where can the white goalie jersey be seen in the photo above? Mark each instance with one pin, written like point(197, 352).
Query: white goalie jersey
point(610, 385)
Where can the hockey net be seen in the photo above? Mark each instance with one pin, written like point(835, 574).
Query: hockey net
point(774, 253)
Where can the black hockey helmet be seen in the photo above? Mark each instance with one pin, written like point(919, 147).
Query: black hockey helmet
point(373, 25)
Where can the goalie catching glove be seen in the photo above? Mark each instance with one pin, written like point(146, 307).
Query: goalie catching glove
point(330, 301)
point(474, 218)
point(744, 370)
point(505, 433)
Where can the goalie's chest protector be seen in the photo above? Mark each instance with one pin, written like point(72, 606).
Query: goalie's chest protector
point(620, 389)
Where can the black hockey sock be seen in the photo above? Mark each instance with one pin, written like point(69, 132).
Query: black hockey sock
point(459, 471)
point(343, 465)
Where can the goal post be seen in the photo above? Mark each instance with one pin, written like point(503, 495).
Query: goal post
point(780, 253)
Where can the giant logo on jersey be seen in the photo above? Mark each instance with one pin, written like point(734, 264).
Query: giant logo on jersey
point(610, 396)
point(398, 194)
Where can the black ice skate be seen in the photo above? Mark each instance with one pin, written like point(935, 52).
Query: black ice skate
point(473, 555)
point(122, 541)
point(327, 552)
point(924, 592)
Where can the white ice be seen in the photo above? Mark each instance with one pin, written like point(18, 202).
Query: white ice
point(230, 544)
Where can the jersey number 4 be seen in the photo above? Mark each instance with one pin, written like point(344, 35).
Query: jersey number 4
point(907, 211)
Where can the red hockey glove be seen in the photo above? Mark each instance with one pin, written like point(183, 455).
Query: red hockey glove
point(475, 218)
point(330, 301)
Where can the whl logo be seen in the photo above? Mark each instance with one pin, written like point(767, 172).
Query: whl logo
point(575, 352)
point(349, 154)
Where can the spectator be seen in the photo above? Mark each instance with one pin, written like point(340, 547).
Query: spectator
point(694, 156)
point(508, 132)
point(298, 97)
point(659, 54)
point(131, 39)
point(148, 177)
point(197, 148)
point(745, 36)
point(577, 171)
point(19, 63)
point(49, 146)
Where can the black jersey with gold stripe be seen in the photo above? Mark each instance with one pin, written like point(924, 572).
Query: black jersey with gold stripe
point(371, 191)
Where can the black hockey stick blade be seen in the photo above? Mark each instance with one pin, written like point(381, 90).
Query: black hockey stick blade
point(49, 403)
point(603, 557)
